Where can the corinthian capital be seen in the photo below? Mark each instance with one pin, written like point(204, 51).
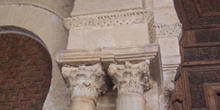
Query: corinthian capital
point(130, 78)
point(85, 81)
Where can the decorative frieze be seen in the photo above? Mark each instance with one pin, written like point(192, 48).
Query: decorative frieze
point(85, 81)
point(108, 19)
point(152, 31)
point(130, 78)
point(168, 30)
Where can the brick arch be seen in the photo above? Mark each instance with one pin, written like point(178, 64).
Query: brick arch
point(25, 72)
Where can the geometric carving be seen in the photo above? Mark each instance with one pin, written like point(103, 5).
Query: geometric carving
point(202, 54)
point(206, 36)
point(168, 30)
point(25, 73)
point(108, 19)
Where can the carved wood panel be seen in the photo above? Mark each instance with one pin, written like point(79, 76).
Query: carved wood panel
point(200, 54)
point(197, 77)
point(207, 7)
point(212, 92)
point(25, 73)
point(197, 14)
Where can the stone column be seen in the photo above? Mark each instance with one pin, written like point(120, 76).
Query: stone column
point(131, 80)
point(85, 82)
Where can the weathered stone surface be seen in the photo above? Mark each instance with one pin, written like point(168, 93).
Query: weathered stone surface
point(60, 8)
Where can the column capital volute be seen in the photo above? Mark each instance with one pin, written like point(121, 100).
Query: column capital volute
point(130, 78)
point(85, 81)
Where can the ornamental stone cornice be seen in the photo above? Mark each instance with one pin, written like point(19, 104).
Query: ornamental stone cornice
point(107, 55)
point(117, 18)
point(85, 81)
point(130, 78)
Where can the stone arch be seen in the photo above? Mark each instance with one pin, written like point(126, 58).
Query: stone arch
point(49, 28)
point(26, 70)
point(22, 31)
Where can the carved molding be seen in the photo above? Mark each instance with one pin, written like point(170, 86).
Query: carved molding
point(109, 55)
point(108, 19)
point(168, 30)
point(130, 78)
point(152, 31)
point(85, 81)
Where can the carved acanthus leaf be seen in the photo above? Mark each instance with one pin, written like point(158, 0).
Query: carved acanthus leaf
point(130, 78)
point(85, 81)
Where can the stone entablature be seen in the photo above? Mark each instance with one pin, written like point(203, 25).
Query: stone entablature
point(107, 55)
